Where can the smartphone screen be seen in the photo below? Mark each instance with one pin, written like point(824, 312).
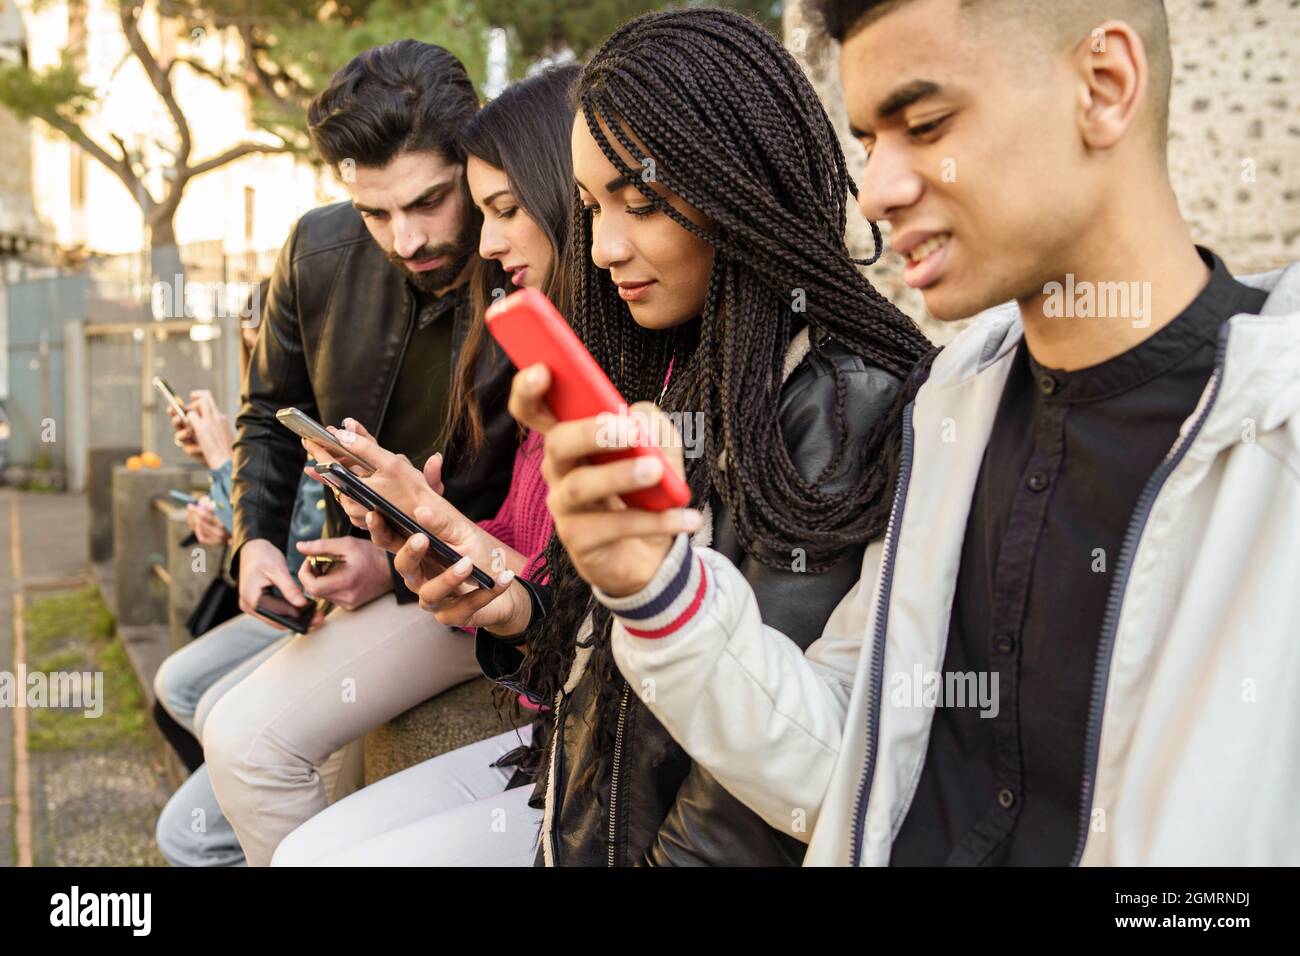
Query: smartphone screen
point(273, 605)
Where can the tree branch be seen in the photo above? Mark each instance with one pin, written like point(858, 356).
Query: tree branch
point(157, 75)
point(121, 168)
point(229, 156)
point(222, 79)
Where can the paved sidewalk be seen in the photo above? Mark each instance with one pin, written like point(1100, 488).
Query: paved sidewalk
point(92, 795)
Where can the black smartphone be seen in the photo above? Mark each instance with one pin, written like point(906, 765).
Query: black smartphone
point(356, 489)
point(274, 607)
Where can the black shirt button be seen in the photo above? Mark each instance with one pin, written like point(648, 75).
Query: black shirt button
point(1048, 384)
point(1004, 643)
point(1006, 798)
point(1037, 481)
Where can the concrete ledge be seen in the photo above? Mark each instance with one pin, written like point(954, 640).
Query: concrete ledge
point(456, 717)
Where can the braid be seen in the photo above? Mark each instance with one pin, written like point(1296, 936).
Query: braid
point(734, 128)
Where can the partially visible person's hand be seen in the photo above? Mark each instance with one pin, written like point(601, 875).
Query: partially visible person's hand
point(211, 428)
point(361, 578)
point(184, 436)
point(203, 521)
point(613, 547)
point(262, 564)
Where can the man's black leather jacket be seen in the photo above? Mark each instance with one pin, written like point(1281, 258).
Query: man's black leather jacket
point(338, 317)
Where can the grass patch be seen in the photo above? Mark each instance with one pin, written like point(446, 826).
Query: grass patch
point(70, 633)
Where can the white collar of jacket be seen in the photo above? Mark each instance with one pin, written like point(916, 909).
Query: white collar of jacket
point(1195, 744)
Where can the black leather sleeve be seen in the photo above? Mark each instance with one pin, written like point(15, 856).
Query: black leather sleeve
point(268, 458)
point(707, 825)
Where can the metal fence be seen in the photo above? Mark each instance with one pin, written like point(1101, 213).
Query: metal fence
point(84, 345)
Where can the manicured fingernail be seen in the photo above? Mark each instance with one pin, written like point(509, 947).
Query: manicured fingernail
point(505, 577)
point(462, 566)
point(419, 542)
point(647, 470)
point(692, 519)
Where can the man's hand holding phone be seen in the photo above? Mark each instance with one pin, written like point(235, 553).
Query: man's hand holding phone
point(361, 577)
point(261, 565)
point(613, 547)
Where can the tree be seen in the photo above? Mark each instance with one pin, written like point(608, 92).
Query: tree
point(290, 47)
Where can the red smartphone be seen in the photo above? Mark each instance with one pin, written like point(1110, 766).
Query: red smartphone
point(531, 330)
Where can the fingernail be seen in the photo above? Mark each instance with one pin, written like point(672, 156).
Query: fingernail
point(505, 577)
point(534, 375)
point(692, 519)
point(419, 541)
point(646, 470)
point(462, 566)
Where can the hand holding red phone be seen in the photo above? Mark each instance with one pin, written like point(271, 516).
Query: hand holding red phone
point(613, 547)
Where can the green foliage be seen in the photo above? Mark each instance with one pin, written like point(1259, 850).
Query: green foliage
point(541, 28)
point(56, 92)
point(74, 632)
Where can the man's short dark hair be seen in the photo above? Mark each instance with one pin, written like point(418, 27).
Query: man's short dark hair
point(401, 97)
point(1052, 19)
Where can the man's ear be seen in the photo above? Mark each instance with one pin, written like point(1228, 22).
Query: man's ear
point(1113, 78)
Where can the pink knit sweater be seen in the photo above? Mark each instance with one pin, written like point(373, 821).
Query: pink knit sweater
point(523, 522)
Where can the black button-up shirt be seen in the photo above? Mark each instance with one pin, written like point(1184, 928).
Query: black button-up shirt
point(1066, 462)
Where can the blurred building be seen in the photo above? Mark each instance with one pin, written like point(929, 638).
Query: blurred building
point(246, 207)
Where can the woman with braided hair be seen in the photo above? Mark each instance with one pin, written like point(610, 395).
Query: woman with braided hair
point(711, 277)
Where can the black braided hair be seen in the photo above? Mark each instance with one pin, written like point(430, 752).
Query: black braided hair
point(735, 129)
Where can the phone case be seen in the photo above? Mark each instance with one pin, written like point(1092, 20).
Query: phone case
point(298, 625)
point(531, 330)
point(359, 491)
point(304, 426)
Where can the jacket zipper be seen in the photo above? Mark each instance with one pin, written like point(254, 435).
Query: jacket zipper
point(554, 793)
point(618, 758)
point(392, 380)
point(878, 638)
point(1115, 599)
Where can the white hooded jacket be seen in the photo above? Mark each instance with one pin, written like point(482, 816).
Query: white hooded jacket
point(1193, 749)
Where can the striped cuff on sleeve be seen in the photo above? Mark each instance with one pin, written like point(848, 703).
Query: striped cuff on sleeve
point(670, 601)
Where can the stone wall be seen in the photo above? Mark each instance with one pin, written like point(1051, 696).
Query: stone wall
point(1234, 143)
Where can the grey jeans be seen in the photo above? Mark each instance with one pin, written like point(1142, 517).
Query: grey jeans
point(191, 830)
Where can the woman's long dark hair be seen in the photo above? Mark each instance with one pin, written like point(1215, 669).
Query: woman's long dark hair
point(734, 128)
point(524, 132)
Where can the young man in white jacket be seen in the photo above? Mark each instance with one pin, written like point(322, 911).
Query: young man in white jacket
point(1077, 642)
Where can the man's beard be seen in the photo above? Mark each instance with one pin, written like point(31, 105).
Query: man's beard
point(433, 280)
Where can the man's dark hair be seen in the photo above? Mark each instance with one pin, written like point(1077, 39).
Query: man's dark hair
point(401, 97)
point(1057, 22)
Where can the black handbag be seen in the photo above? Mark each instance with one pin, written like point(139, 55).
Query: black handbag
point(219, 603)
